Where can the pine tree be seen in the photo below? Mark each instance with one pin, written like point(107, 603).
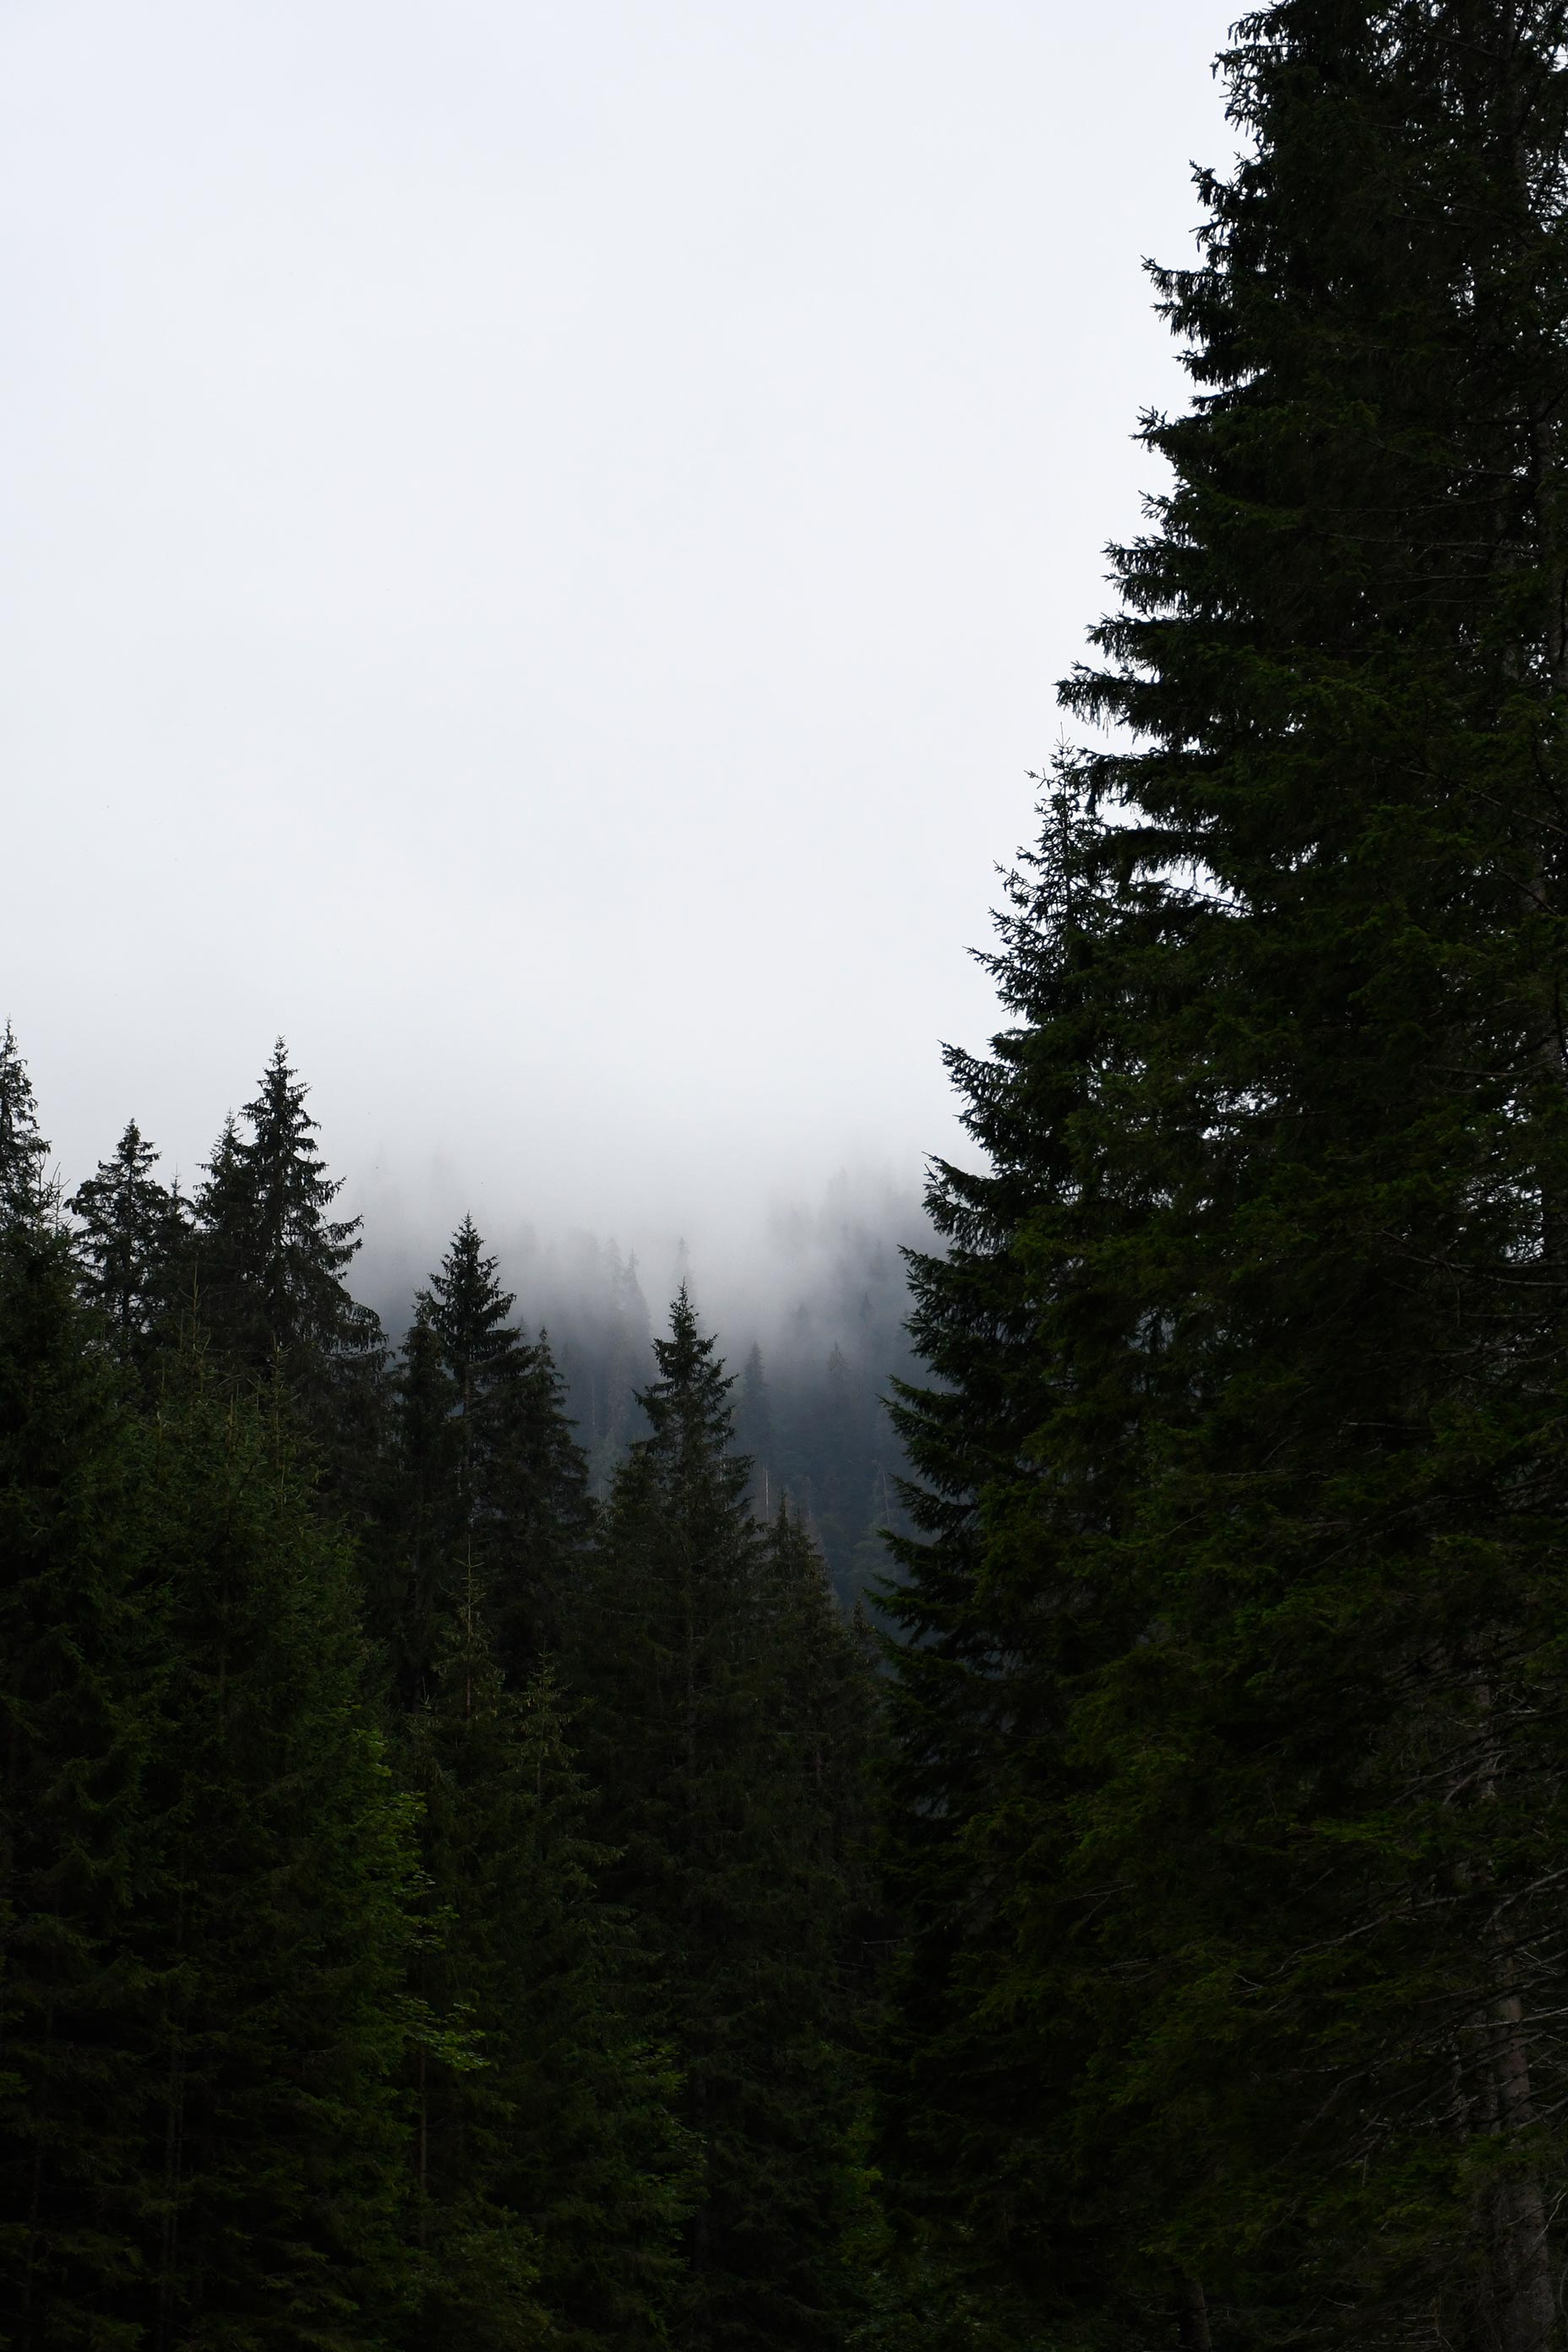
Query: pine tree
point(275, 1919)
point(80, 1659)
point(1231, 1757)
point(417, 1559)
point(24, 1195)
point(754, 1433)
point(551, 2173)
point(132, 1232)
point(521, 1482)
point(270, 1261)
point(697, 1745)
point(488, 1487)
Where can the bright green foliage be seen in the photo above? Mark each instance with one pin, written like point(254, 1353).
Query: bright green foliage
point(551, 2171)
point(78, 1696)
point(131, 1233)
point(24, 1194)
point(1232, 1736)
point(717, 1734)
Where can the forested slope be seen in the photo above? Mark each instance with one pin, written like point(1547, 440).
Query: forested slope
point(465, 1876)
point(436, 1902)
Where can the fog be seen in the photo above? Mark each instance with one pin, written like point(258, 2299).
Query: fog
point(536, 544)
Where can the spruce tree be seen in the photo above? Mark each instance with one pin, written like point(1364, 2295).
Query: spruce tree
point(24, 1195)
point(203, 1871)
point(131, 1233)
point(754, 1433)
point(488, 1488)
point(276, 1917)
point(1231, 1724)
point(80, 1662)
point(520, 1495)
point(692, 1631)
point(270, 1261)
point(550, 2166)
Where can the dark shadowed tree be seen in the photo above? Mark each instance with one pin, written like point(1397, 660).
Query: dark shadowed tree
point(132, 1232)
point(696, 1644)
point(552, 2176)
point(1231, 1727)
point(24, 1196)
point(488, 1489)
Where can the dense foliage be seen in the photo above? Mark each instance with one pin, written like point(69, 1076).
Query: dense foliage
point(438, 1782)
point(1233, 1733)
point(382, 1966)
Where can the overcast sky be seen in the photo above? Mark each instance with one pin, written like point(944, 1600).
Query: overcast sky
point(536, 545)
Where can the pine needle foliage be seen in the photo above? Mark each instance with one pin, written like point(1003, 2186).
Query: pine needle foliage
point(717, 1738)
point(279, 1918)
point(78, 1693)
point(487, 1491)
point(23, 1154)
point(552, 2172)
point(1231, 1722)
point(205, 1873)
point(270, 1262)
point(132, 1232)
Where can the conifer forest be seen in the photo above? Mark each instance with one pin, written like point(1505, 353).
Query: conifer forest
point(1048, 1833)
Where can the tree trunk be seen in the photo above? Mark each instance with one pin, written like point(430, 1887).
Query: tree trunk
point(1193, 2315)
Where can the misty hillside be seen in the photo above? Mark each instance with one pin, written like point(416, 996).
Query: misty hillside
point(810, 1388)
point(982, 1778)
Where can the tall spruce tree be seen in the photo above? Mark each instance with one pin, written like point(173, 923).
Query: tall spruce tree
point(521, 1491)
point(23, 1152)
point(132, 1230)
point(488, 1490)
point(693, 1631)
point(1232, 1720)
point(277, 1918)
point(203, 1872)
point(270, 1262)
point(80, 1661)
point(551, 2168)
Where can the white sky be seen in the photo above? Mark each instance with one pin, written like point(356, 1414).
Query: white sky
point(535, 546)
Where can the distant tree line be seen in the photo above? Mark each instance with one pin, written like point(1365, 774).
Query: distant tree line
point(809, 1407)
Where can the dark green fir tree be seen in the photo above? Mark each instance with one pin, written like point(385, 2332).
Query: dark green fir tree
point(275, 1920)
point(24, 1154)
point(551, 2170)
point(709, 1795)
point(271, 1261)
point(1231, 1735)
point(520, 1492)
point(80, 1658)
point(488, 1490)
point(132, 1232)
point(266, 1281)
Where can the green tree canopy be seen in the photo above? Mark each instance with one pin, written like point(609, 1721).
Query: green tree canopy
point(1231, 1759)
point(132, 1230)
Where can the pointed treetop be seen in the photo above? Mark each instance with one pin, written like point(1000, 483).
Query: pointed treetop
point(692, 1394)
point(275, 1259)
point(465, 1304)
point(129, 1226)
point(23, 1150)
